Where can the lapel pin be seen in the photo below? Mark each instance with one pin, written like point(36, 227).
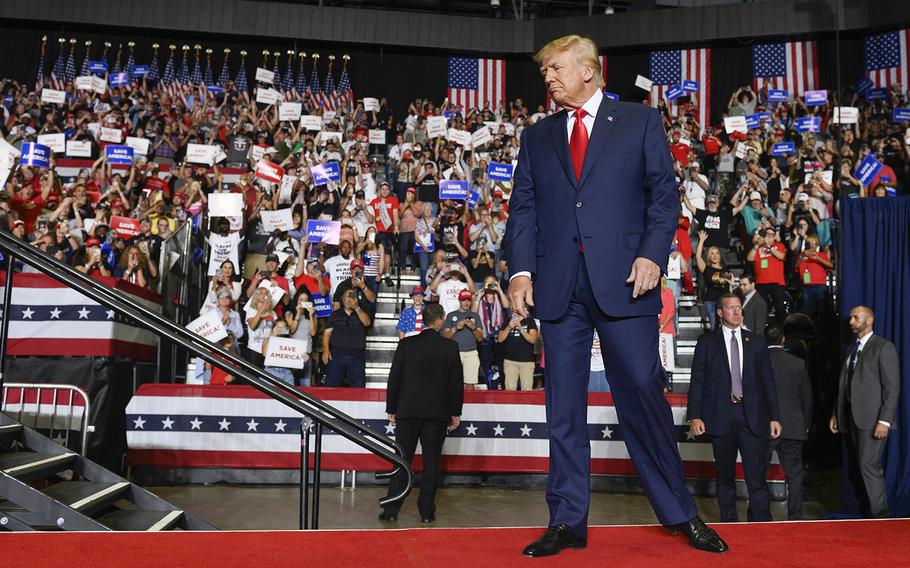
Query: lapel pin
point(610, 118)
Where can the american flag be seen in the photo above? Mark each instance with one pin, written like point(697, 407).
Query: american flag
point(58, 80)
point(886, 58)
point(196, 76)
point(225, 76)
point(790, 66)
point(240, 82)
point(39, 79)
point(289, 88)
point(168, 80)
point(344, 92)
point(116, 69)
point(207, 74)
point(277, 84)
point(669, 68)
point(153, 68)
point(183, 76)
point(70, 71)
point(328, 91)
point(474, 82)
point(130, 61)
point(83, 71)
point(551, 104)
point(301, 81)
point(315, 87)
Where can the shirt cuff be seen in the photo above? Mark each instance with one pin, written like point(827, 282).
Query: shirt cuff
point(883, 423)
point(517, 274)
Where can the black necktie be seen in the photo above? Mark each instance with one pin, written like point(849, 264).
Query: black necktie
point(851, 365)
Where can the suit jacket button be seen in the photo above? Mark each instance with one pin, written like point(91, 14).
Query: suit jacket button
point(574, 239)
point(579, 204)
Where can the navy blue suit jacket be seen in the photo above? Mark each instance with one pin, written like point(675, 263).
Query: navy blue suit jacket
point(625, 206)
point(709, 387)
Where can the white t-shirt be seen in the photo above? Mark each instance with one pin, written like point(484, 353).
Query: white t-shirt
point(222, 249)
point(448, 291)
point(338, 269)
point(696, 195)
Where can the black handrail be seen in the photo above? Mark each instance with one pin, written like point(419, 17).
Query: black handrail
point(319, 411)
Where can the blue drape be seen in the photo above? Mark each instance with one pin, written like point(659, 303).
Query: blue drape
point(876, 272)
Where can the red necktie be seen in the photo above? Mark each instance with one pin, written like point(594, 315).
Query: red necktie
point(578, 142)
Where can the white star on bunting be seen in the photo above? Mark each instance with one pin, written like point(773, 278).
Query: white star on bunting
point(252, 425)
point(498, 430)
point(139, 423)
point(389, 428)
point(55, 313)
point(472, 430)
point(195, 424)
point(110, 314)
point(60, 439)
point(167, 423)
point(27, 313)
point(224, 424)
point(525, 431)
point(83, 313)
point(607, 432)
point(279, 426)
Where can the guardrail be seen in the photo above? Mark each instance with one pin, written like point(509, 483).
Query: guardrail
point(38, 417)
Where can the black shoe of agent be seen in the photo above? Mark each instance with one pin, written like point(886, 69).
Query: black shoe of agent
point(427, 519)
point(700, 535)
point(388, 517)
point(553, 541)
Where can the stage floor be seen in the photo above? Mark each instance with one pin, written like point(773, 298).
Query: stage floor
point(245, 507)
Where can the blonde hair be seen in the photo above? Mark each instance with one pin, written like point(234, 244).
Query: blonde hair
point(585, 53)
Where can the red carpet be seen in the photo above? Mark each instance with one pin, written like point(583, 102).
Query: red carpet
point(828, 544)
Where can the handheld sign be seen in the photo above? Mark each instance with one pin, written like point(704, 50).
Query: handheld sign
point(287, 188)
point(861, 85)
point(643, 83)
point(753, 121)
point(118, 79)
point(326, 135)
point(34, 154)
point(99, 85)
point(808, 124)
point(480, 137)
point(286, 352)
point(97, 67)
point(460, 137)
point(56, 142)
point(264, 76)
point(84, 83)
point(901, 115)
point(846, 115)
point(52, 96)
point(225, 204)
point(867, 170)
point(79, 149)
point(783, 149)
point(370, 104)
point(879, 94)
point(611, 96)
point(114, 135)
point(500, 172)
point(674, 92)
point(139, 71)
point(324, 173)
point(280, 220)
point(119, 155)
point(322, 305)
point(735, 124)
point(376, 137)
point(473, 199)
point(267, 96)
point(311, 122)
point(200, 154)
point(126, 227)
point(268, 171)
point(209, 326)
point(815, 98)
point(289, 111)
point(214, 89)
point(139, 145)
point(319, 231)
point(456, 189)
point(778, 96)
point(436, 126)
point(690, 86)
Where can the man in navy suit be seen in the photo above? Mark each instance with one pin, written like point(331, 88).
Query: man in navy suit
point(593, 211)
point(733, 397)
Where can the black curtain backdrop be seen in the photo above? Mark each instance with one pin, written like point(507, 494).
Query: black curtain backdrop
point(402, 74)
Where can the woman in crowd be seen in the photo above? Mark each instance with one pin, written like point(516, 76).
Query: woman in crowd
point(373, 255)
point(302, 325)
point(260, 318)
point(714, 275)
point(408, 213)
point(134, 267)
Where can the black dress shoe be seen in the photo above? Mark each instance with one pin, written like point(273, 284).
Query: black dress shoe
point(388, 517)
point(427, 519)
point(700, 535)
point(553, 541)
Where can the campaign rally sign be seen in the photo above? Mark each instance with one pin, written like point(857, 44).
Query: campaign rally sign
point(268, 171)
point(139, 71)
point(79, 149)
point(753, 120)
point(209, 326)
point(214, 89)
point(319, 231)
point(114, 135)
point(460, 137)
point(808, 124)
point(126, 227)
point(370, 104)
point(867, 169)
point(56, 142)
point(139, 145)
point(611, 96)
point(267, 96)
point(643, 83)
point(119, 155)
point(225, 204)
point(289, 111)
point(453, 189)
point(119, 79)
point(287, 188)
point(34, 154)
point(877, 94)
point(322, 305)
point(376, 137)
point(480, 137)
point(846, 115)
point(264, 76)
point(815, 98)
point(783, 149)
point(437, 126)
point(674, 92)
point(690, 86)
point(280, 220)
point(286, 352)
point(473, 199)
point(311, 122)
point(500, 172)
point(778, 96)
point(200, 154)
point(97, 67)
point(861, 85)
point(324, 173)
point(901, 115)
point(735, 124)
point(52, 96)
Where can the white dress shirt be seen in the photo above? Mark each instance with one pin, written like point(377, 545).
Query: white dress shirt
point(590, 107)
point(862, 345)
point(728, 333)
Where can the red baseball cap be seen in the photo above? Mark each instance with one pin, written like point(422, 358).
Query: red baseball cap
point(465, 295)
point(93, 242)
point(497, 193)
point(356, 263)
point(417, 291)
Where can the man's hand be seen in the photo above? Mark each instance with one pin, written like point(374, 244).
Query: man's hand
point(832, 424)
point(644, 276)
point(392, 419)
point(776, 429)
point(696, 427)
point(521, 295)
point(453, 423)
point(880, 432)
point(326, 357)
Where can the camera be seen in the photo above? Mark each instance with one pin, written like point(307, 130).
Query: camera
point(265, 273)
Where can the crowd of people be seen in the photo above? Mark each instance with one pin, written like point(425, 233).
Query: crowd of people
point(752, 222)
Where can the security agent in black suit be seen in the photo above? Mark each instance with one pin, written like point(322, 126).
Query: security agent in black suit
point(423, 400)
point(794, 395)
point(867, 398)
point(755, 308)
point(732, 397)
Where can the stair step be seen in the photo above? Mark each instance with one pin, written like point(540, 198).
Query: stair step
point(30, 465)
point(146, 521)
point(9, 433)
point(87, 496)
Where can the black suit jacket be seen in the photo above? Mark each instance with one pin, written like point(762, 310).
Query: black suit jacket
point(755, 314)
point(709, 389)
point(426, 380)
point(794, 393)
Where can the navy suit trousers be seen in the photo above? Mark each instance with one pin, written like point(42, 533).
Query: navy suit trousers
point(629, 347)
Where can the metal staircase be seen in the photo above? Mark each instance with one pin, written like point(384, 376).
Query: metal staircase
point(45, 486)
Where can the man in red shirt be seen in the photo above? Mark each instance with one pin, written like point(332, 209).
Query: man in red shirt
point(312, 278)
point(813, 276)
point(768, 255)
point(385, 211)
point(27, 203)
point(679, 150)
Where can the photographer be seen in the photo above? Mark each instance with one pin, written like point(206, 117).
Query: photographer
point(344, 343)
point(492, 305)
point(481, 262)
point(364, 294)
point(767, 255)
point(518, 337)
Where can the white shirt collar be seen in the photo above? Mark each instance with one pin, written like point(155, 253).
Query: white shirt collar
point(591, 106)
point(729, 331)
point(863, 340)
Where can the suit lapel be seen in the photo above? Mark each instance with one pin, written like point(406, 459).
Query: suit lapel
point(561, 143)
point(747, 357)
point(723, 349)
point(603, 124)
